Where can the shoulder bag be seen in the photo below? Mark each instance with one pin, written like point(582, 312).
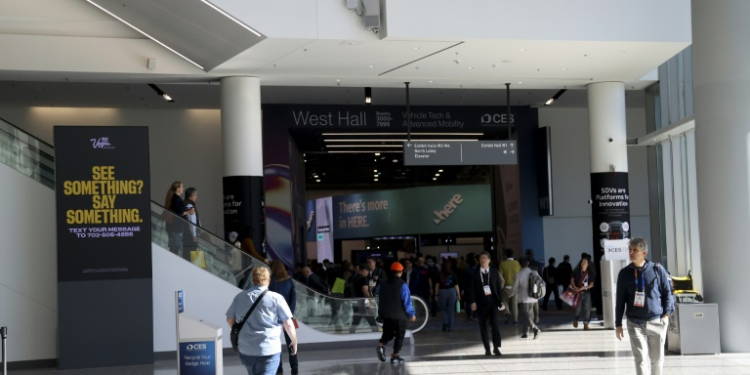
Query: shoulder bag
point(237, 326)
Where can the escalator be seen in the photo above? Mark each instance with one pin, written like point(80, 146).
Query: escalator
point(322, 313)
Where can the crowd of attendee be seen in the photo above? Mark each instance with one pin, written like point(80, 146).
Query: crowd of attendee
point(474, 286)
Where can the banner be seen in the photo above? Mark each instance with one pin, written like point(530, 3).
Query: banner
point(324, 228)
point(103, 203)
point(243, 212)
point(103, 247)
point(424, 210)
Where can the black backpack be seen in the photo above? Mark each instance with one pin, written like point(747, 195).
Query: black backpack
point(537, 286)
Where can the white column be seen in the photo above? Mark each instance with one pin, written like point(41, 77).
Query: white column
point(721, 71)
point(608, 131)
point(241, 127)
point(609, 182)
point(242, 137)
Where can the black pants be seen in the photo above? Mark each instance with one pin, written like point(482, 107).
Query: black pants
point(550, 290)
point(361, 312)
point(489, 319)
point(393, 328)
point(292, 358)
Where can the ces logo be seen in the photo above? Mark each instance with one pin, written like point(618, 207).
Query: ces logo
point(196, 347)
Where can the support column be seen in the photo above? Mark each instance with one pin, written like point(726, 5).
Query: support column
point(721, 72)
point(242, 138)
point(610, 206)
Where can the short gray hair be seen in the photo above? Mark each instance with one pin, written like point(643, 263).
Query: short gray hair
point(639, 243)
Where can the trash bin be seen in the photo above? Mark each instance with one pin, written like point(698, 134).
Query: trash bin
point(694, 329)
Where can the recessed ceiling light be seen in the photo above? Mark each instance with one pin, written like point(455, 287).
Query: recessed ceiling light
point(519, 82)
point(376, 171)
point(523, 49)
point(416, 47)
point(440, 170)
point(437, 174)
point(338, 80)
point(471, 67)
point(317, 180)
point(395, 160)
point(376, 176)
point(434, 179)
point(564, 69)
point(376, 180)
point(377, 154)
point(372, 66)
point(432, 81)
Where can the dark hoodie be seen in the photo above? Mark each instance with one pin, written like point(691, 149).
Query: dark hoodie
point(658, 294)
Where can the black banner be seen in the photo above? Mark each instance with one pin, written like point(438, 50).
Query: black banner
point(544, 170)
point(244, 216)
point(103, 203)
point(105, 292)
point(610, 217)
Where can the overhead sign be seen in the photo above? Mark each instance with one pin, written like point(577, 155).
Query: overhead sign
point(460, 153)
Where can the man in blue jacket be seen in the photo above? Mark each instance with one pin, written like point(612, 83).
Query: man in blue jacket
point(643, 288)
point(395, 308)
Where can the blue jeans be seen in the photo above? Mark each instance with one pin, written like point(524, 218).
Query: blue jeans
point(447, 302)
point(266, 365)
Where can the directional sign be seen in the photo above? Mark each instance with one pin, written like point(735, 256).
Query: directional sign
point(460, 153)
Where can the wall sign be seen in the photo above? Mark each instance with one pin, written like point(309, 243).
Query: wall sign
point(103, 203)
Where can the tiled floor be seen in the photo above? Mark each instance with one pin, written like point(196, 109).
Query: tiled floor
point(559, 350)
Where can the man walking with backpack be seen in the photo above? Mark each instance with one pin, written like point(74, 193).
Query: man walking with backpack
point(644, 294)
point(528, 286)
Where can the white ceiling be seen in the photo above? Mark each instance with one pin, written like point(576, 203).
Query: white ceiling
point(331, 62)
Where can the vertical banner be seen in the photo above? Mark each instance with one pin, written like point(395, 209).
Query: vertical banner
point(244, 213)
point(103, 246)
point(544, 170)
point(324, 228)
point(610, 218)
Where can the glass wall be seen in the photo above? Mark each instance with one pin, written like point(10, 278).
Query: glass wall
point(674, 182)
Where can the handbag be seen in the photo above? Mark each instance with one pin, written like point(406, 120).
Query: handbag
point(237, 326)
point(571, 297)
point(198, 257)
point(296, 325)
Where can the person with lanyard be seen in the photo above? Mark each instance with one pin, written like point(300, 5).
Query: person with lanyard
point(645, 296)
point(483, 295)
point(582, 281)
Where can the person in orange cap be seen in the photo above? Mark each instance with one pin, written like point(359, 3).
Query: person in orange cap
point(395, 309)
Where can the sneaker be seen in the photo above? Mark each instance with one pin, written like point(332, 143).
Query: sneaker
point(381, 353)
point(536, 333)
point(497, 352)
point(575, 324)
point(524, 336)
point(295, 370)
point(501, 307)
point(397, 359)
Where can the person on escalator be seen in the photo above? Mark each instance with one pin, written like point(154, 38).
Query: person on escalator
point(174, 203)
point(282, 284)
point(395, 309)
point(361, 291)
point(190, 235)
point(315, 282)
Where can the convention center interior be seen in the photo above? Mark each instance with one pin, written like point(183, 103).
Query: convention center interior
point(326, 187)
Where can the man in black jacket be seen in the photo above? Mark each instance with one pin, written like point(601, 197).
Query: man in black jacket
point(550, 277)
point(483, 295)
point(395, 308)
point(315, 282)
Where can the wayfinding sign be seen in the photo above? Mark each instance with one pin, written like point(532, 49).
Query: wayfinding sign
point(460, 153)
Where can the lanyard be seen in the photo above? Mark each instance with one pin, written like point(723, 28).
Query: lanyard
point(643, 279)
point(481, 275)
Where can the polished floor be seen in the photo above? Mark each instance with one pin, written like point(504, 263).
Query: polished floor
point(559, 350)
